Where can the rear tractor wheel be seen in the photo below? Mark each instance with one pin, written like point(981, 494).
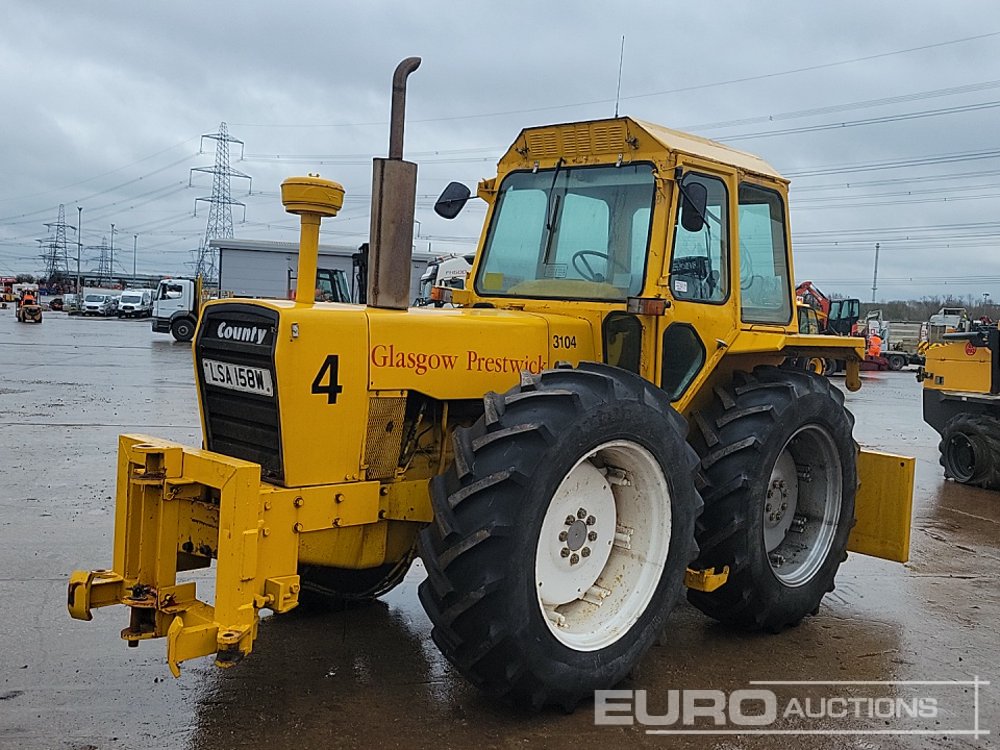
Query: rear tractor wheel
point(970, 450)
point(780, 461)
point(561, 535)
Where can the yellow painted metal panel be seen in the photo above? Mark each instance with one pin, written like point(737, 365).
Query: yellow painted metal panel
point(884, 506)
point(957, 366)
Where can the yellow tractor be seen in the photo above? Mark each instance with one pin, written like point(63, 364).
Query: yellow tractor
point(961, 378)
point(599, 419)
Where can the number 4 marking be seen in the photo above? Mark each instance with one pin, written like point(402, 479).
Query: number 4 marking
point(329, 370)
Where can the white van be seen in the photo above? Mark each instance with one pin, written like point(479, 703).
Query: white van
point(96, 303)
point(135, 303)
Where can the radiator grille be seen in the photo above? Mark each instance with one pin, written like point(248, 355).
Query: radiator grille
point(238, 424)
point(385, 436)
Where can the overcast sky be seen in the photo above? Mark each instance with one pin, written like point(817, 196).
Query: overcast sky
point(104, 104)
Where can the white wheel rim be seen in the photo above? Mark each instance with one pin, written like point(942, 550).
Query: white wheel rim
point(614, 503)
point(802, 505)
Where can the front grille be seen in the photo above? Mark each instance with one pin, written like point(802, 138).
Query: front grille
point(239, 424)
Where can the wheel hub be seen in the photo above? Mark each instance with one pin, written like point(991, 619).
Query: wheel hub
point(577, 535)
point(780, 503)
point(602, 545)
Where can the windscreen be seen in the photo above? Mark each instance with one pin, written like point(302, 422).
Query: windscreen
point(94, 298)
point(569, 232)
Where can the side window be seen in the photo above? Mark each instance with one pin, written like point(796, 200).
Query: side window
point(683, 357)
point(765, 287)
point(699, 265)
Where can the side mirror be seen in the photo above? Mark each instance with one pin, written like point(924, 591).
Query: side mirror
point(452, 200)
point(694, 200)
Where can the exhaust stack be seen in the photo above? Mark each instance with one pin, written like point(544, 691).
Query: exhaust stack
point(394, 193)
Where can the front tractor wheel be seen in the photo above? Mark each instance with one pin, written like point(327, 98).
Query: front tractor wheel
point(561, 535)
point(325, 587)
point(780, 461)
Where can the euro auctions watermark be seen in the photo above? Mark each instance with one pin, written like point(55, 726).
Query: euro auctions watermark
point(803, 707)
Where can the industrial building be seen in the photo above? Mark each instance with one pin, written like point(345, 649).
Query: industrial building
point(260, 268)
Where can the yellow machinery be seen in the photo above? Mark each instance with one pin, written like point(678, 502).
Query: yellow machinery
point(961, 380)
point(531, 442)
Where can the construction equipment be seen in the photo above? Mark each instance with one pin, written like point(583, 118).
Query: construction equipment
point(836, 316)
point(532, 444)
point(961, 379)
point(28, 309)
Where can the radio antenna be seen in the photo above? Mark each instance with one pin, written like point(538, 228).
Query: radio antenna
point(621, 59)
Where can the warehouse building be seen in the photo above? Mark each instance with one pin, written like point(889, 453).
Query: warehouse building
point(261, 268)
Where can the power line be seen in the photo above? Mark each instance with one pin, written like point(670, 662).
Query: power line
point(682, 89)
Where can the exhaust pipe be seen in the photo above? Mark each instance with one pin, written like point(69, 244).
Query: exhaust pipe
point(394, 194)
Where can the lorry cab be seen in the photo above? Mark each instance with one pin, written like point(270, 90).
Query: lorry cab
point(175, 307)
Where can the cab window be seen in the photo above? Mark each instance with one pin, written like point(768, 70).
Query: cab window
point(699, 265)
point(765, 287)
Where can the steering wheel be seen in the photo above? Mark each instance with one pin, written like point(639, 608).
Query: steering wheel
point(582, 266)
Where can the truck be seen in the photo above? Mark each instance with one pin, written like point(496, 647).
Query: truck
point(177, 301)
point(443, 271)
point(176, 305)
point(900, 341)
point(601, 422)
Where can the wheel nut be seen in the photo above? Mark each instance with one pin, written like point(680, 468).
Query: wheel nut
point(784, 506)
point(564, 552)
point(592, 536)
point(581, 513)
point(591, 520)
point(563, 536)
point(768, 507)
point(570, 520)
point(585, 552)
point(574, 560)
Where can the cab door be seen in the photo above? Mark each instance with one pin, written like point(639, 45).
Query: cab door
point(699, 274)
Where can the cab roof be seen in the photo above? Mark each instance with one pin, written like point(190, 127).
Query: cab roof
point(628, 136)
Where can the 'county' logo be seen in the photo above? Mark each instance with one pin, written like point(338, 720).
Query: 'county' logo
point(249, 334)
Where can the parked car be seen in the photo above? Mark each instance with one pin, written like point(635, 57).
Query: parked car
point(135, 303)
point(71, 304)
point(99, 304)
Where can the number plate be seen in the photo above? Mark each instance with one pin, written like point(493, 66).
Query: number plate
point(238, 377)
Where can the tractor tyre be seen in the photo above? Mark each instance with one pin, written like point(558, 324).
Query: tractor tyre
point(896, 362)
point(561, 535)
point(325, 587)
point(781, 470)
point(182, 329)
point(970, 450)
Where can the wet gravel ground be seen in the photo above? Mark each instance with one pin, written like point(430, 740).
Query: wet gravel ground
point(371, 676)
